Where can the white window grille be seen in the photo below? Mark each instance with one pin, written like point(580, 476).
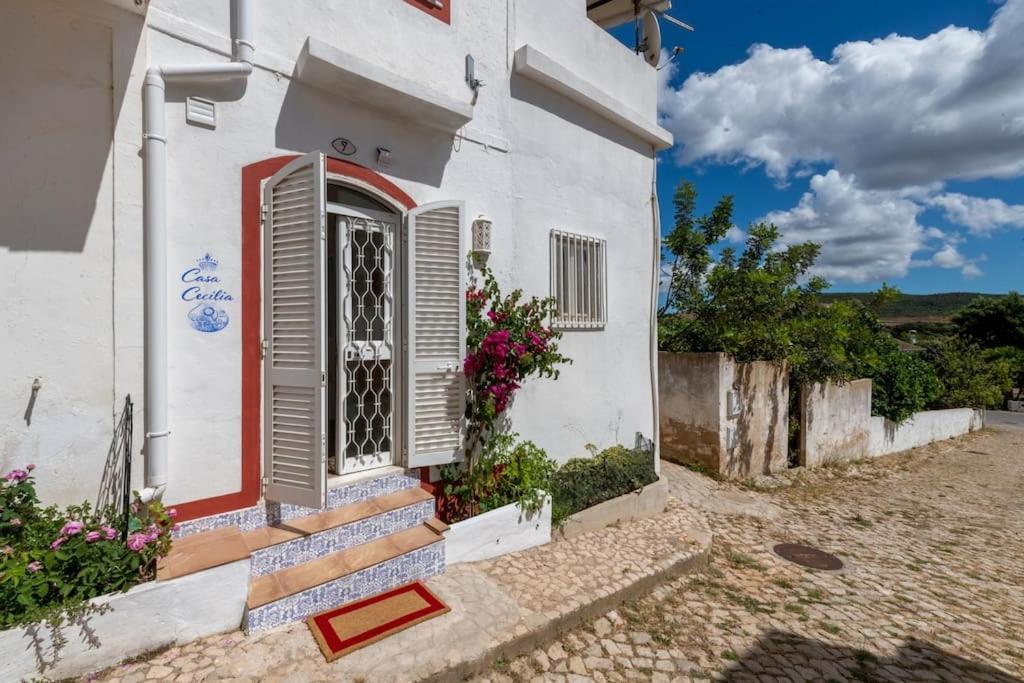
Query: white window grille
point(579, 266)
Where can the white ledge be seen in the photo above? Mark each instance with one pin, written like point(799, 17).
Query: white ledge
point(342, 73)
point(533, 64)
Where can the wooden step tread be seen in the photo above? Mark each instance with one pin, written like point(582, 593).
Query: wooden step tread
point(205, 550)
point(436, 525)
point(329, 519)
point(291, 580)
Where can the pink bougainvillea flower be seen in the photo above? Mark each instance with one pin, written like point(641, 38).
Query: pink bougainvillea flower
point(93, 536)
point(136, 542)
point(72, 527)
point(110, 533)
point(33, 567)
point(16, 476)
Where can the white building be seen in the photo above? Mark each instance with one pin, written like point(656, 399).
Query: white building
point(356, 151)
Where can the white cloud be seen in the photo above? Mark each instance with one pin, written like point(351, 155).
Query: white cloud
point(894, 112)
point(868, 235)
point(971, 271)
point(864, 235)
point(978, 214)
point(735, 235)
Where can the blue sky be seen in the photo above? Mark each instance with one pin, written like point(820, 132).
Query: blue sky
point(903, 155)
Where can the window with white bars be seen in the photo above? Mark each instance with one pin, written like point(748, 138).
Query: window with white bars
point(579, 265)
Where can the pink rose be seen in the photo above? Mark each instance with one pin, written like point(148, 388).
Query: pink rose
point(57, 542)
point(30, 467)
point(136, 542)
point(72, 527)
point(33, 567)
point(172, 512)
point(93, 536)
point(15, 476)
point(110, 532)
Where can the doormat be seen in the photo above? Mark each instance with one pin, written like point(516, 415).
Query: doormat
point(343, 629)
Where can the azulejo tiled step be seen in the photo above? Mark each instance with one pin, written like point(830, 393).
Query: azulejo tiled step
point(302, 539)
point(296, 592)
point(372, 485)
point(306, 538)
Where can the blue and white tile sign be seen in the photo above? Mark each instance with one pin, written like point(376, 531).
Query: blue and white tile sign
point(203, 290)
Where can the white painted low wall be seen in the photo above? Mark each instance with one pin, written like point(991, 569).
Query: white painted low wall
point(1015, 406)
point(497, 532)
point(648, 501)
point(148, 617)
point(922, 429)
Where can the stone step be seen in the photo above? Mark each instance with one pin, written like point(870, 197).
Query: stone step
point(304, 539)
point(296, 592)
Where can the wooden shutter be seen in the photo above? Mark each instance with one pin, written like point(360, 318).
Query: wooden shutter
point(436, 334)
point(294, 239)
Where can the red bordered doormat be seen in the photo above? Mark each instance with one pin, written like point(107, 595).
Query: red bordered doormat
point(343, 629)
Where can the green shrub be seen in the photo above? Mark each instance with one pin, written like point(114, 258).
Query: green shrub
point(972, 377)
point(53, 561)
point(584, 482)
point(507, 471)
point(902, 384)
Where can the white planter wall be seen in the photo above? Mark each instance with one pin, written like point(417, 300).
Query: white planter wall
point(497, 532)
point(148, 617)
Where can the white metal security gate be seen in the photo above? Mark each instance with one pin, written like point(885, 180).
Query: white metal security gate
point(367, 359)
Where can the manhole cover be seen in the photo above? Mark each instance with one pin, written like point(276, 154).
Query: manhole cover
point(806, 556)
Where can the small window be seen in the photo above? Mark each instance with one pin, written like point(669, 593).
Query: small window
point(578, 281)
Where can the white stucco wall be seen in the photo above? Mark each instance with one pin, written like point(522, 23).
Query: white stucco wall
point(530, 159)
point(922, 429)
point(64, 104)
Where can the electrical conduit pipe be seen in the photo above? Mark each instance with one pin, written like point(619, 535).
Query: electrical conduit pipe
point(154, 226)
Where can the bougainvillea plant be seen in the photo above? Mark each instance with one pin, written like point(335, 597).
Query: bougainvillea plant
point(508, 340)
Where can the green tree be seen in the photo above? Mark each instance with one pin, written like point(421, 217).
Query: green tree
point(991, 323)
point(741, 303)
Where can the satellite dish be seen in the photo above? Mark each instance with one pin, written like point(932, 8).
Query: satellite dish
point(651, 39)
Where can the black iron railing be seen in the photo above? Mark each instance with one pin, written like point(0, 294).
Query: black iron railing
point(124, 447)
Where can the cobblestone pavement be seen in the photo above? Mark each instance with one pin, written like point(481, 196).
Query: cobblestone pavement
point(933, 587)
point(495, 603)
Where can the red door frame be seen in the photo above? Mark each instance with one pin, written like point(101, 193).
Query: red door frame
point(253, 176)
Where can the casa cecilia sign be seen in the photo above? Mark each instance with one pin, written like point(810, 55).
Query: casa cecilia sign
point(202, 288)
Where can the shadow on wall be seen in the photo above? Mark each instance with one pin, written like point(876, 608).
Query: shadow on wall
point(918, 660)
point(525, 90)
point(63, 86)
point(311, 119)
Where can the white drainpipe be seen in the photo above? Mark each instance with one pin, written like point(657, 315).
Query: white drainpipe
point(655, 286)
point(154, 226)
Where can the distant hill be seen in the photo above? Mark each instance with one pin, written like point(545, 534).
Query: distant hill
point(932, 308)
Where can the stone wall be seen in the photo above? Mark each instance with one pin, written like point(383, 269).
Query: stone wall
point(728, 417)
